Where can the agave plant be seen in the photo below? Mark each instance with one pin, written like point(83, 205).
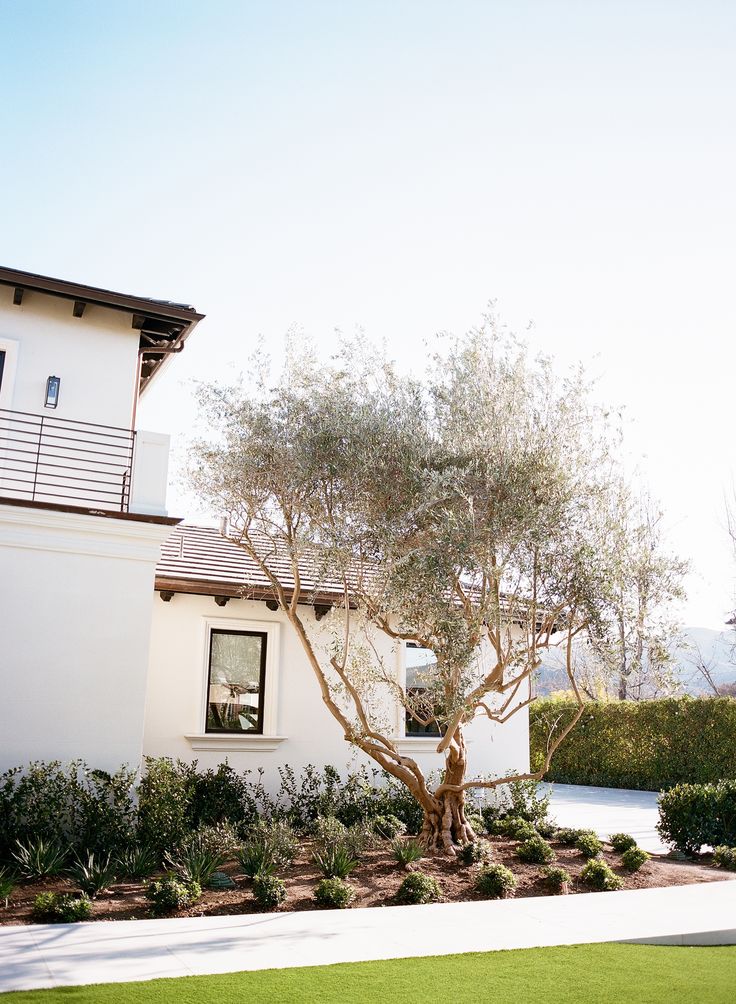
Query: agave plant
point(7, 884)
point(94, 874)
point(335, 861)
point(137, 862)
point(39, 858)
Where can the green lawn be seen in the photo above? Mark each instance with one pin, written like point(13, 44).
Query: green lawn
point(588, 974)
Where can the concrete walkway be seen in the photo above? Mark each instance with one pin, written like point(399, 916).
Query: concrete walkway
point(607, 811)
point(124, 951)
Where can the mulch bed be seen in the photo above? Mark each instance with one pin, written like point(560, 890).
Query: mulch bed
point(376, 881)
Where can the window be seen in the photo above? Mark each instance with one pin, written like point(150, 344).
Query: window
point(236, 681)
point(420, 666)
point(2, 366)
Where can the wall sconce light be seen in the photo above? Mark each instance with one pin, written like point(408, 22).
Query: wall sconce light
point(53, 384)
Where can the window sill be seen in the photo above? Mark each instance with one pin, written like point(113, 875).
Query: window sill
point(418, 744)
point(234, 741)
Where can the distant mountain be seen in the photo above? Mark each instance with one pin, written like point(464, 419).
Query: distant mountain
point(716, 650)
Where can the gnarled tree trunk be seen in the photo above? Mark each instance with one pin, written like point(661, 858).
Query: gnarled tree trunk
point(446, 827)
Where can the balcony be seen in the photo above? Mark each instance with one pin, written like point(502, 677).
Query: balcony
point(65, 462)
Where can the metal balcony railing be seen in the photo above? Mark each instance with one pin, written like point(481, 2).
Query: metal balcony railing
point(48, 459)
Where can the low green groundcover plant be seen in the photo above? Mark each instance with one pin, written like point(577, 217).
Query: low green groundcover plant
point(567, 836)
point(419, 888)
point(334, 894)
point(388, 827)
point(622, 841)
point(513, 827)
point(269, 891)
point(61, 907)
point(633, 858)
point(600, 876)
point(475, 853)
point(580, 974)
point(536, 851)
point(546, 828)
point(171, 893)
point(557, 878)
point(495, 881)
point(589, 845)
point(725, 857)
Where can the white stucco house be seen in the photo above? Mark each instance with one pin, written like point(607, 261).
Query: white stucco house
point(126, 632)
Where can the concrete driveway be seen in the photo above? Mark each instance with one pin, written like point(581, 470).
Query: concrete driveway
point(607, 811)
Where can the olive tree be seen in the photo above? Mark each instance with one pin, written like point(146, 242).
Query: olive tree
point(471, 511)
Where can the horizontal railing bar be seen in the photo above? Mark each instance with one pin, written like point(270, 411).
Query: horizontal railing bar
point(75, 421)
point(54, 432)
point(33, 437)
point(122, 463)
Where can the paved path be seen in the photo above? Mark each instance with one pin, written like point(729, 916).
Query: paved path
point(607, 811)
point(122, 951)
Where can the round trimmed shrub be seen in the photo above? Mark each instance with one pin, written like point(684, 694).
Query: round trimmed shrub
point(334, 894)
point(514, 827)
point(598, 875)
point(622, 841)
point(419, 888)
point(495, 881)
point(589, 845)
point(547, 828)
point(477, 852)
point(389, 827)
point(62, 907)
point(172, 893)
point(476, 821)
point(633, 858)
point(535, 851)
point(557, 878)
point(269, 891)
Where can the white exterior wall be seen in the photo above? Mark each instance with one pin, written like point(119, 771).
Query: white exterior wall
point(95, 355)
point(75, 615)
point(298, 729)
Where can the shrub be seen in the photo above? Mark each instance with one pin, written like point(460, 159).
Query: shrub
point(598, 875)
point(622, 841)
point(477, 852)
point(691, 815)
point(39, 858)
point(335, 861)
point(723, 857)
point(278, 836)
point(407, 851)
point(522, 799)
point(201, 853)
point(93, 874)
point(7, 884)
point(557, 878)
point(567, 836)
point(388, 827)
point(269, 891)
point(589, 845)
point(513, 827)
point(61, 908)
point(137, 862)
point(328, 830)
point(334, 893)
point(70, 804)
point(633, 858)
point(547, 828)
point(651, 745)
point(172, 893)
point(536, 851)
point(476, 821)
point(419, 888)
point(495, 882)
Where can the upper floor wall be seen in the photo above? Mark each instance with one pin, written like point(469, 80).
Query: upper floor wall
point(95, 356)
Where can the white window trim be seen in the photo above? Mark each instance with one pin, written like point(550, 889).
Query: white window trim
point(10, 347)
point(269, 739)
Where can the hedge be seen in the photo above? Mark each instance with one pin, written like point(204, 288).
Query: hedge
point(650, 745)
point(691, 815)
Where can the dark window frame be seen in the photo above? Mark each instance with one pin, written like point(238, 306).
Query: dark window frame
point(412, 728)
point(3, 354)
point(263, 635)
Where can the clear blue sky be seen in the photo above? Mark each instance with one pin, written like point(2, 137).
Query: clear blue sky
point(396, 165)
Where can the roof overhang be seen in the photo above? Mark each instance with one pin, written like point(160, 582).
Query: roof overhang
point(163, 326)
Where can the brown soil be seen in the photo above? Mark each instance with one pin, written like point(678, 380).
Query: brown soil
point(376, 881)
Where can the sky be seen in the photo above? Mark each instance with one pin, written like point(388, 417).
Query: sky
point(395, 166)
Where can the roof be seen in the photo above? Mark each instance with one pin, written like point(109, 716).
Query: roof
point(163, 325)
point(199, 559)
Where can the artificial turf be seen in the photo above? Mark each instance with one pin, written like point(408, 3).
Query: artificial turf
point(583, 974)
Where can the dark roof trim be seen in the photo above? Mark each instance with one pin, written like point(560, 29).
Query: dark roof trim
point(131, 517)
point(163, 325)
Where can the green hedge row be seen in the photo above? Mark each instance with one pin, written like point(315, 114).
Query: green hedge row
point(650, 745)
